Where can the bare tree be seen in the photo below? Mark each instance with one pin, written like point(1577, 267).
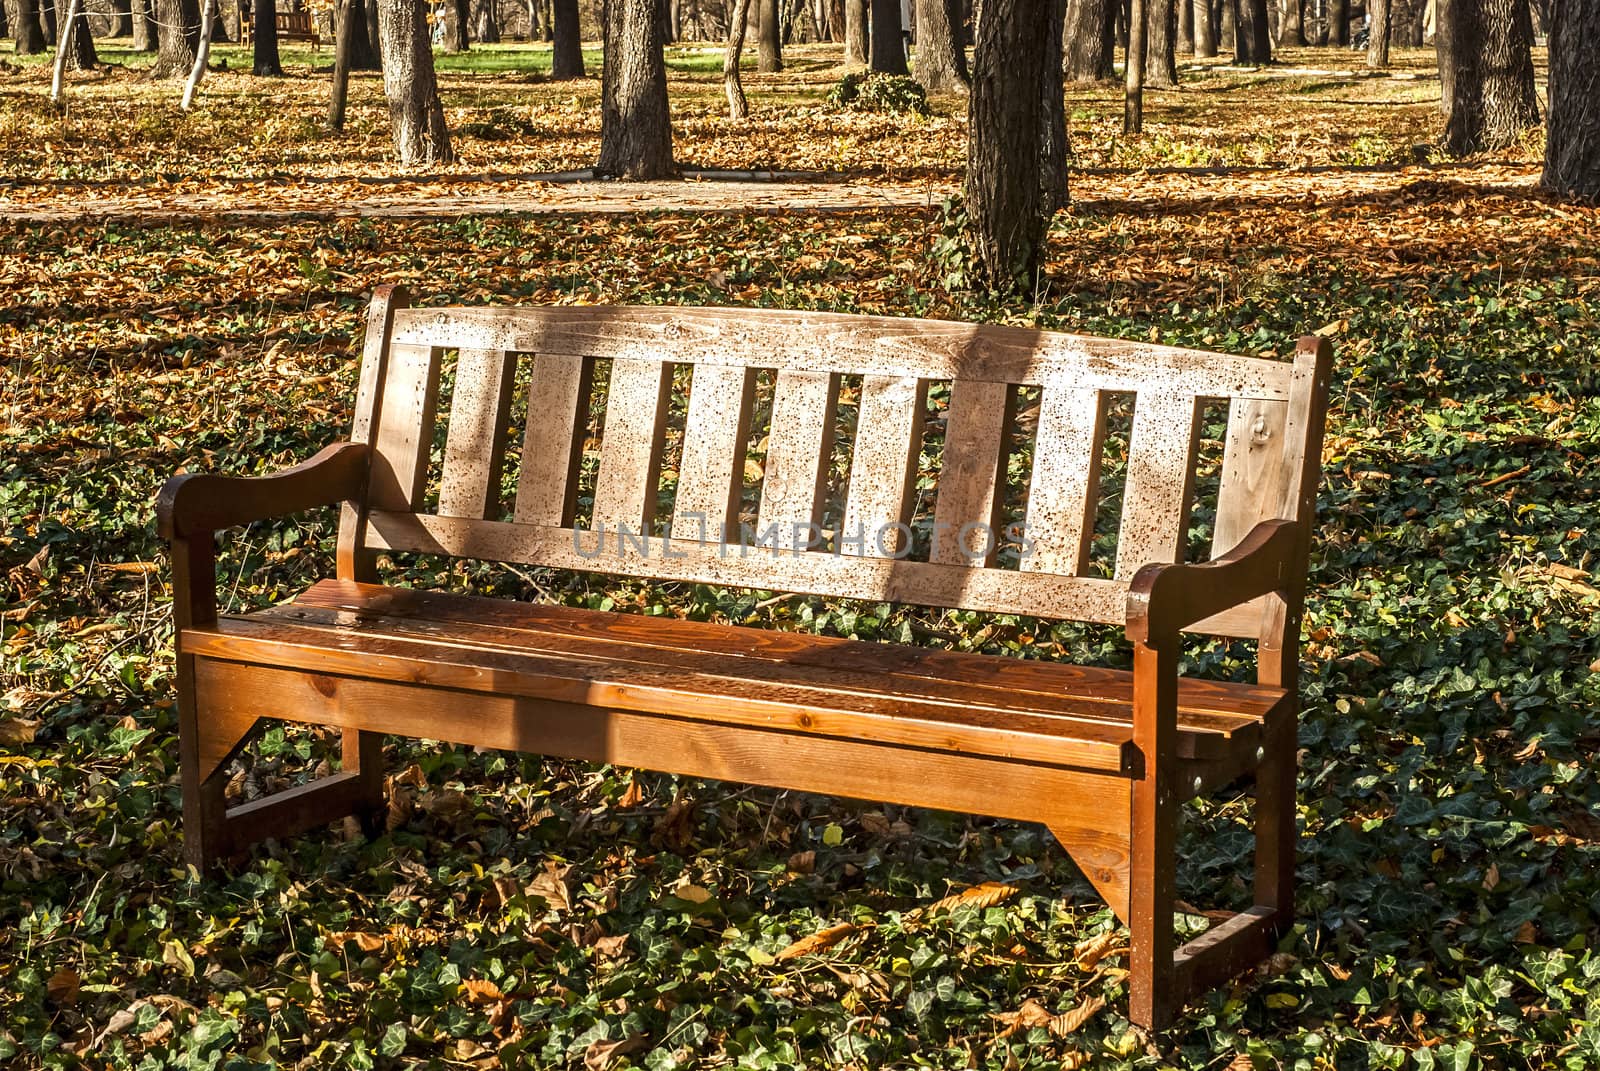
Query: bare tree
point(738, 108)
point(1492, 97)
point(941, 62)
point(1053, 116)
point(416, 115)
point(1088, 41)
point(888, 44)
point(1572, 142)
point(180, 36)
point(457, 16)
point(264, 46)
point(635, 124)
point(1291, 25)
point(769, 37)
point(1161, 40)
point(855, 32)
point(566, 58)
point(1133, 76)
point(145, 33)
point(1252, 34)
point(1205, 30)
point(201, 54)
point(1381, 13)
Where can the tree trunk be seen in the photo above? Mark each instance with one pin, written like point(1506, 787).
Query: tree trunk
point(566, 58)
point(487, 24)
point(1252, 35)
point(1378, 34)
point(635, 124)
point(1185, 27)
point(375, 32)
point(47, 20)
point(1227, 22)
point(416, 115)
point(769, 37)
point(1205, 30)
point(363, 16)
point(457, 16)
point(1444, 50)
point(180, 34)
point(1572, 143)
point(1493, 99)
point(855, 33)
point(1088, 41)
point(266, 61)
point(738, 108)
point(145, 34)
point(1339, 16)
point(81, 55)
point(1053, 116)
point(1291, 25)
point(201, 54)
point(1160, 43)
point(1006, 212)
point(1133, 80)
point(888, 44)
point(937, 50)
point(344, 50)
point(122, 19)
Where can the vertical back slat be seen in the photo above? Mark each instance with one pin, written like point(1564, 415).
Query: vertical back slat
point(712, 471)
point(1255, 477)
point(558, 400)
point(1063, 492)
point(972, 473)
point(798, 445)
point(883, 465)
point(1160, 482)
point(475, 445)
point(630, 447)
point(354, 561)
point(404, 434)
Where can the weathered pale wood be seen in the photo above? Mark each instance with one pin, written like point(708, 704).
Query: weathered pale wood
point(403, 438)
point(970, 495)
point(1160, 484)
point(630, 448)
point(552, 443)
point(848, 345)
point(1094, 807)
point(475, 444)
point(1064, 490)
point(1254, 477)
point(353, 561)
point(799, 443)
point(883, 468)
point(711, 474)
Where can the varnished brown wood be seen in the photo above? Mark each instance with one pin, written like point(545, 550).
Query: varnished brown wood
point(1103, 757)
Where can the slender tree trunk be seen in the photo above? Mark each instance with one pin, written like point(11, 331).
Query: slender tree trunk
point(1444, 50)
point(363, 16)
point(1053, 116)
point(201, 55)
point(635, 124)
point(566, 59)
point(457, 16)
point(64, 48)
point(1253, 36)
point(416, 115)
point(1006, 209)
point(1291, 25)
point(145, 34)
point(1493, 98)
point(937, 50)
point(1133, 80)
point(1339, 14)
point(180, 36)
point(1572, 142)
point(1378, 37)
point(738, 108)
point(488, 23)
point(1160, 36)
point(1185, 27)
point(344, 51)
point(122, 14)
point(264, 18)
point(81, 54)
point(375, 32)
point(5, 21)
point(769, 37)
point(1205, 30)
point(1227, 22)
point(47, 20)
point(888, 42)
point(855, 33)
point(1088, 41)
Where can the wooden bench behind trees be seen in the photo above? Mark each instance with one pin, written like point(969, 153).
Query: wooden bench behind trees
point(292, 26)
point(1102, 757)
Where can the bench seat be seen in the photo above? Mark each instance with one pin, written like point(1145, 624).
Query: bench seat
point(795, 683)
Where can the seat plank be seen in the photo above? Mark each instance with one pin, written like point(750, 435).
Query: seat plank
point(1064, 488)
point(883, 468)
point(711, 474)
point(630, 448)
point(1160, 483)
point(798, 445)
point(475, 444)
point(971, 490)
point(552, 444)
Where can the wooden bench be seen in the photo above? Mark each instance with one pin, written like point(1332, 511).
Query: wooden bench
point(1104, 758)
point(292, 26)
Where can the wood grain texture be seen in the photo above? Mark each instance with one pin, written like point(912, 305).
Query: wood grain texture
point(1254, 476)
point(846, 344)
point(799, 443)
point(630, 447)
point(711, 474)
point(475, 443)
point(352, 560)
point(404, 435)
point(1160, 483)
point(883, 469)
point(552, 443)
point(971, 489)
point(1063, 492)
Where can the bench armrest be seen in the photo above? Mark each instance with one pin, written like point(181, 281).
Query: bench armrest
point(1164, 599)
point(200, 502)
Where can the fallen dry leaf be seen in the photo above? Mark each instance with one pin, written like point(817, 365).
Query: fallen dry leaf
point(817, 942)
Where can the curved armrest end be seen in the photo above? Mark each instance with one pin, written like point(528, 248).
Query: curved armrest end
point(197, 501)
point(1166, 598)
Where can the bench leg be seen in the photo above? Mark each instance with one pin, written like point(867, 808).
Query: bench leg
point(363, 756)
point(1275, 823)
point(1152, 996)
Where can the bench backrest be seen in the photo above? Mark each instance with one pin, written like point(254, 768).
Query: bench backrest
point(761, 437)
